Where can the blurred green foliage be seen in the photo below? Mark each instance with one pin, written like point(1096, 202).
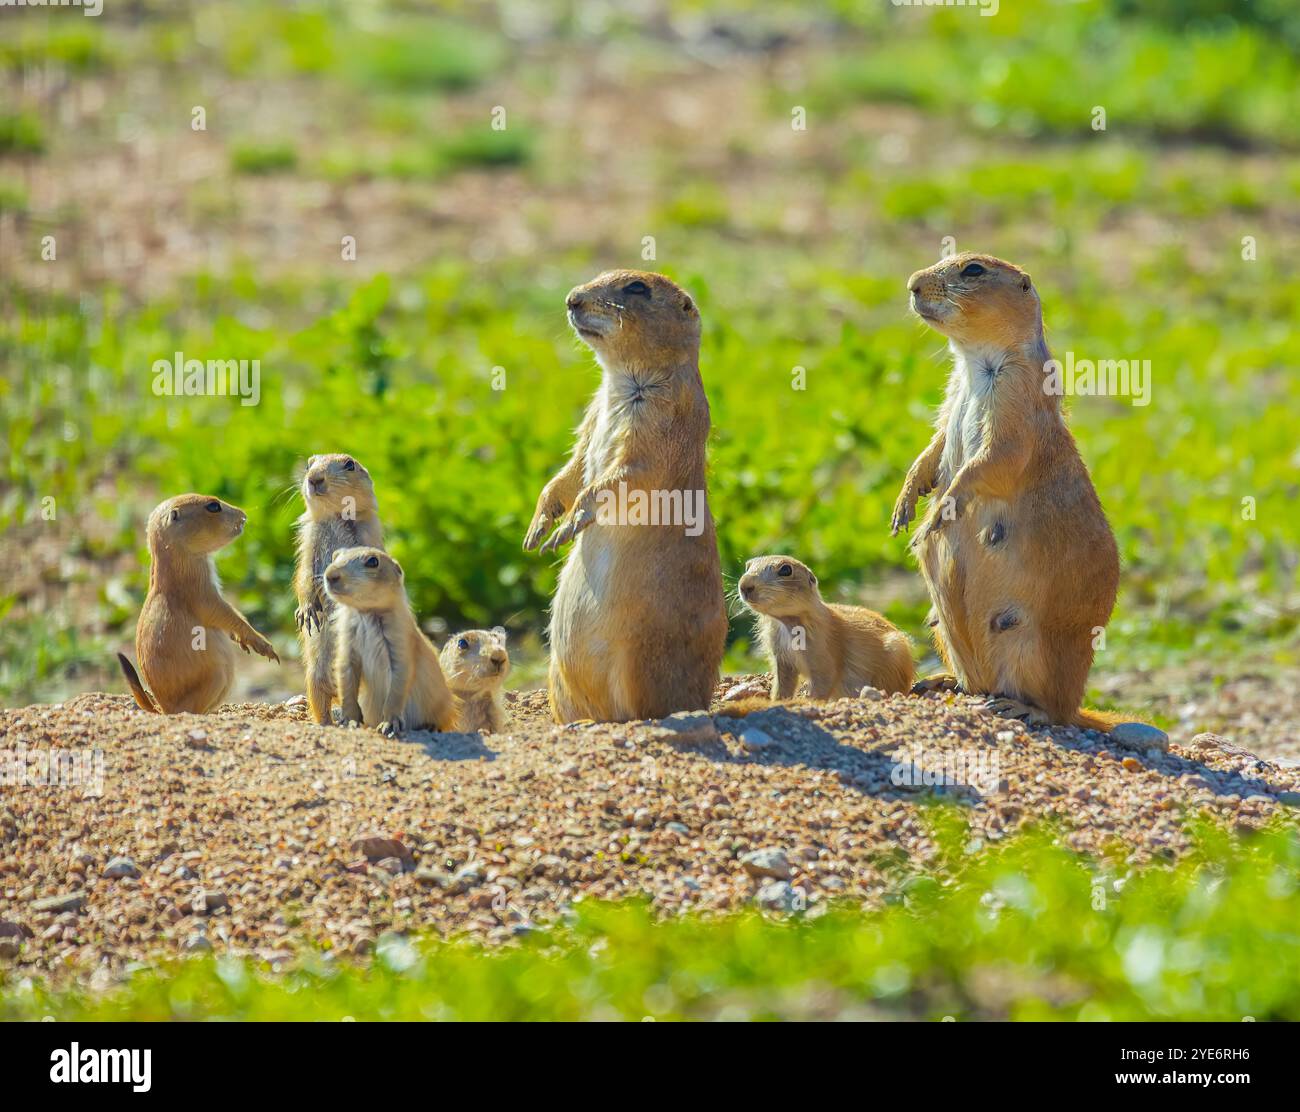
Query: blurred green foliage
point(398, 369)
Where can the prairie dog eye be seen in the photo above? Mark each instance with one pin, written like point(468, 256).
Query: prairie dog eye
point(350, 465)
point(637, 288)
point(463, 645)
point(372, 561)
point(972, 270)
point(214, 507)
point(785, 570)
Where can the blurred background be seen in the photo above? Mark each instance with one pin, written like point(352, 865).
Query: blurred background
point(183, 177)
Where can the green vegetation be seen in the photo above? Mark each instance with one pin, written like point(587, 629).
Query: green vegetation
point(21, 133)
point(263, 158)
point(1025, 930)
point(796, 245)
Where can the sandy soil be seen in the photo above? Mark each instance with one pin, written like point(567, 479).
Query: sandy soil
point(252, 831)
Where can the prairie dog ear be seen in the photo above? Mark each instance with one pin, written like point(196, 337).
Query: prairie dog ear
point(812, 579)
point(175, 515)
point(499, 632)
point(400, 573)
point(1025, 282)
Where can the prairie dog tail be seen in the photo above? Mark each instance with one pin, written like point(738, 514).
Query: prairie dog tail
point(1102, 720)
point(137, 688)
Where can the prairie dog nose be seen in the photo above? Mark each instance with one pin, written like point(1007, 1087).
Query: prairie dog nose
point(573, 301)
point(317, 483)
point(333, 578)
point(746, 586)
point(914, 282)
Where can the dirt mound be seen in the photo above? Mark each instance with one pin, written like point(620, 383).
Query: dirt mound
point(254, 831)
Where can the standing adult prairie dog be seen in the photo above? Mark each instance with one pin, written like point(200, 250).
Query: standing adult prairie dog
point(1019, 559)
point(185, 639)
point(838, 649)
point(386, 672)
point(340, 513)
point(638, 623)
point(476, 664)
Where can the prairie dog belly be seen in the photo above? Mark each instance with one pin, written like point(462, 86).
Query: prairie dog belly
point(582, 595)
point(970, 398)
point(371, 647)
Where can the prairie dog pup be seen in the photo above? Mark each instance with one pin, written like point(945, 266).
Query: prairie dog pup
point(838, 649)
point(386, 672)
point(476, 664)
point(1019, 559)
point(185, 639)
point(638, 622)
point(340, 513)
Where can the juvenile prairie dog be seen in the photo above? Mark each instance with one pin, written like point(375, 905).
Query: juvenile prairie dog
point(838, 649)
point(638, 623)
point(476, 665)
point(185, 639)
point(1019, 559)
point(386, 672)
point(340, 513)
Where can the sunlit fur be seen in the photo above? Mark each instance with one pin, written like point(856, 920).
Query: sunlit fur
point(340, 513)
point(476, 675)
point(185, 669)
point(838, 649)
point(1026, 571)
point(386, 672)
point(638, 622)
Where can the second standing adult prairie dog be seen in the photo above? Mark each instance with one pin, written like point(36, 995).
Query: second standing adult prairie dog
point(638, 623)
point(476, 664)
point(340, 513)
point(1017, 554)
point(386, 672)
point(185, 639)
point(839, 649)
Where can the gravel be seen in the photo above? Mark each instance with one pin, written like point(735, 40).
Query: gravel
point(254, 832)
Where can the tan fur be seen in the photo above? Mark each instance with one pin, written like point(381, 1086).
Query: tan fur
point(475, 675)
point(838, 649)
point(385, 671)
point(340, 513)
point(1019, 559)
point(638, 623)
point(189, 670)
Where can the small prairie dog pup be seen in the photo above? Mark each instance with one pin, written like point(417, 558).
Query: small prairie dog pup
point(340, 513)
point(185, 639)
point(639, 622)
point(838, 649)
point(1019, 559)
point(386, 672)
point(476, 664)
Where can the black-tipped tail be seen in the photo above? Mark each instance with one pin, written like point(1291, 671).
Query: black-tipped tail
point(137, 688)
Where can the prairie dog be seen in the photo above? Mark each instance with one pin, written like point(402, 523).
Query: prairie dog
point(185, 639)
point(340, 513)
point(838, 649)
point(476, 664)
point(1019, 559)
point(638, 623)
point(386, 672)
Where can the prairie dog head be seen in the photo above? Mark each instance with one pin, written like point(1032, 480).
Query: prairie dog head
point(195, 523)
point(978, 300)
point(633, 318)
point(475, 660)
point(778, 586)
point(365, 579)
point(337, 486)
